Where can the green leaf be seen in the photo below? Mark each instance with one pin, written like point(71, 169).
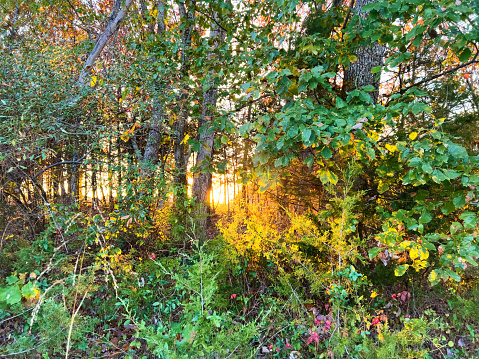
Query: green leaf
point(474, 180)
point(368, 7)
point(383, 187)
point(340, 103)
point(12, 279)
point(306, 136)
point(30, 290)
point(428, 245)
point(451, 174)
point(448, 207)
point(400, 270)
point(326, 153)
point(437, 176)
point(469, 219)
point(309, 161)
point(416, 161)
point(426, 167)
point(373, 252)
point(244, 129)
point(417, 107)
point(455, 227)
point(457, 151)
point(465, 55)
point(459, 201)
point(426, 217)
point(10, 294)
point(327, 176)
point(452, 274)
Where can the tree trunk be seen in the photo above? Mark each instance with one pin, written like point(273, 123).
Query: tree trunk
point(180, 178)
point(203, 178)
point(111, 29)
point(156, 128)
point(359, 73)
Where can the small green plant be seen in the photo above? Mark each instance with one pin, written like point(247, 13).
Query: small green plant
point(189, 323)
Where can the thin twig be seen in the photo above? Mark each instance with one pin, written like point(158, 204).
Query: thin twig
point(40, 301)
point(473, 61)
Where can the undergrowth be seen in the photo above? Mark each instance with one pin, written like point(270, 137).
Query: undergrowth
point(272, 284)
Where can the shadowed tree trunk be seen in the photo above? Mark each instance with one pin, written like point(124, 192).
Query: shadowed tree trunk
point(203, 178)
point(156, 127)
point(180, 179)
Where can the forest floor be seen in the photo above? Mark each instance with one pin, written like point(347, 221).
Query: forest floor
point(109, 309)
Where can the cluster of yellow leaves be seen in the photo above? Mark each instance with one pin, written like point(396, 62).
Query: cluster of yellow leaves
point(113, 257)
point(161, 224)
point(252, 233)
point(260, 232)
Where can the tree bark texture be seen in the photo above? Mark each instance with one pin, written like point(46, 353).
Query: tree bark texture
point(110, 30)
point(180, 178)
point(156, 128)
point(203, 179)
point(359, 73)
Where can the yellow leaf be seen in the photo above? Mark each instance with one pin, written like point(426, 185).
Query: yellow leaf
point(93, 81)
point(185, 139)
point(391, 148)
point(125, 137)
point(374, 135)
point(423, 254)
point(250, 89)
point(413, 253)
point(413, 136)
point(374, 295)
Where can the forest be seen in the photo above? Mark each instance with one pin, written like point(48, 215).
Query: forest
point(239, 179)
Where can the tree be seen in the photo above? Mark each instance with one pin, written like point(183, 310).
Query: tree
point(202, 178)
point(359, 73)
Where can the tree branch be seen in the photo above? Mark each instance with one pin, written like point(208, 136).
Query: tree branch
point(111, 29)
point(75, 162)
point(473, 61)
